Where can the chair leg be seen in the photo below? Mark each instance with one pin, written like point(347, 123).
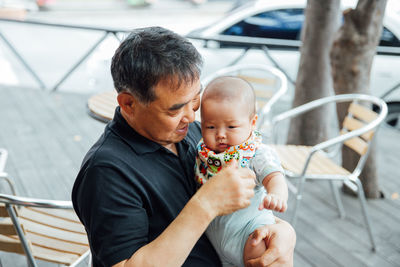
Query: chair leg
point(90, 260)
point(298, 199)
point(363, 202)
point(338, 199)
point(21, 235)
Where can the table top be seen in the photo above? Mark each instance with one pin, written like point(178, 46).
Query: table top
point(102, 105)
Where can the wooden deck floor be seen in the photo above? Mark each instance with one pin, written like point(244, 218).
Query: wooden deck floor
point(47, 135)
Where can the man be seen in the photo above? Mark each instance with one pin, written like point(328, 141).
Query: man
point(136, 192)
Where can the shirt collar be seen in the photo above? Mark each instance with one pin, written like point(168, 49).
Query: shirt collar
point(137, 142)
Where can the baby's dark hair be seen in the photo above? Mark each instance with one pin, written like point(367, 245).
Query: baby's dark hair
point(232, 89)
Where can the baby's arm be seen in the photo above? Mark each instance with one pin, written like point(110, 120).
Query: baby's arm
point(277, 192)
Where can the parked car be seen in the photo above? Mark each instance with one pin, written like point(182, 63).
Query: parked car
point(277, 24)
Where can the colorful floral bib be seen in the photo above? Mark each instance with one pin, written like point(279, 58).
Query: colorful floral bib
point(208, 163)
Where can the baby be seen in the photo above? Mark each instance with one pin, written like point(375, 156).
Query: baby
point(228, 120)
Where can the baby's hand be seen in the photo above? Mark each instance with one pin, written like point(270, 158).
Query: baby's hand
point(273, 202)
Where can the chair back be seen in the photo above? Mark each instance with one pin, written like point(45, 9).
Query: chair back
point(42, 229)
point(269, 84)
point(359, 116)
point(9, 240)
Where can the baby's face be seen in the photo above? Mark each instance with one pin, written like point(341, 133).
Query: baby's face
point(225, 124)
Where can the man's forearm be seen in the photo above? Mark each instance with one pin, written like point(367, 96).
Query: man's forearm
point(173, 246)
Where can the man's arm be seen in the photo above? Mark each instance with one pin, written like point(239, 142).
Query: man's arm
point(229, 190)
point(281, 239)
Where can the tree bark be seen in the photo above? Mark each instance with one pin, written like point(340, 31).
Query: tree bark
point(314, 78)
point(351, 58)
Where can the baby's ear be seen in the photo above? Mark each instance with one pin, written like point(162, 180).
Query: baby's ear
point(254, 121)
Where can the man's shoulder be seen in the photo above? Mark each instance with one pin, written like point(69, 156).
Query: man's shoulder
point(109, 152)
point(107, 148)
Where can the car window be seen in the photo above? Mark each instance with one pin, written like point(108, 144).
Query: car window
point(388, 38)
point(280, 24)
point(286, 24)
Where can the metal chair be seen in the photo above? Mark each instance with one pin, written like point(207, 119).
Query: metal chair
point(47, 230)
point(269, 83)
point(314, 163)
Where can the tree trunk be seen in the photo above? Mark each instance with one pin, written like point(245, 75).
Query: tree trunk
point(351, 58)
point(314, 78)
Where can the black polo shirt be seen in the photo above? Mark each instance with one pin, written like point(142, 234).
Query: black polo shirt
point(129, 189)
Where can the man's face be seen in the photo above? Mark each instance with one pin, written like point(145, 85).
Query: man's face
point(166, 120)
point(225, 124)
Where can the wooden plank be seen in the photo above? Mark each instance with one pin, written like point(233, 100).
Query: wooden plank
point(353, 226)
point(55, 244)
point(307, 245)
point(7, 227)
point(357, 144)
point(345, 239)
point(32, 227)
point(293, 158)
point(323, 249)
point(32, 153)
point(52, 221)
point(53, 255)
point(352, 124)
point(362, 113)
point(286, 157)
point(10, 245)
point(3, 210)
point(323, 165)
point(69, 215)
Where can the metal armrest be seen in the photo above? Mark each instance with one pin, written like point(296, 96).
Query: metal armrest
point(4, 176)
point(335, 98)
point(35, 202)
point(338, 99)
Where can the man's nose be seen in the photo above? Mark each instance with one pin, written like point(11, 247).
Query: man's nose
point(189, 115)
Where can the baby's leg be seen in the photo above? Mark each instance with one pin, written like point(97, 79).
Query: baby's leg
point(253, 252)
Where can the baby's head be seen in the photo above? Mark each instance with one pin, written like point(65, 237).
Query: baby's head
point(228, 112)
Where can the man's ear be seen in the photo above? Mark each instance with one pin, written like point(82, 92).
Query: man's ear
point(127, 102)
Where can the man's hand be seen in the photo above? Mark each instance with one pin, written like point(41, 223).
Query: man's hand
point(280, 239)
point(229, 190)
point(273, 202)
